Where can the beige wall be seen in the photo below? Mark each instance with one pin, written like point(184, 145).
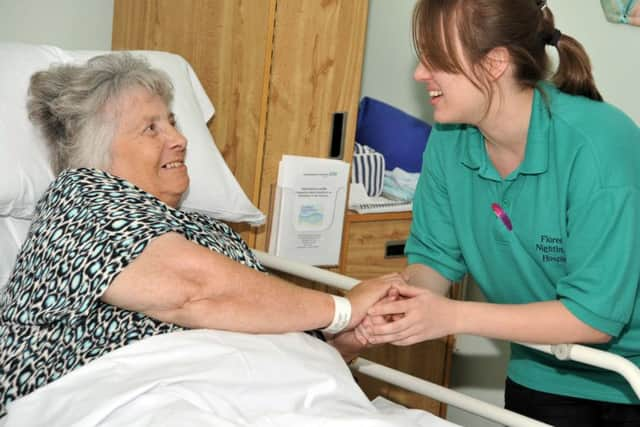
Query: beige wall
point(70, 24)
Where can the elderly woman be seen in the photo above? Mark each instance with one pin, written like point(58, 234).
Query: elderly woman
point(110, 259)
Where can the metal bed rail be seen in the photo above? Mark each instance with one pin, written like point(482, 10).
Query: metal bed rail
point(593, 357)
point(574, 352)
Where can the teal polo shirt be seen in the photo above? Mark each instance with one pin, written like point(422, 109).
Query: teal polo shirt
point(574, 206)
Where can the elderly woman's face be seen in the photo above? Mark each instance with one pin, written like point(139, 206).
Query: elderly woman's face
point(147, 149)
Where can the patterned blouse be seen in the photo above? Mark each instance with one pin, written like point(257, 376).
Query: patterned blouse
point(88, 227)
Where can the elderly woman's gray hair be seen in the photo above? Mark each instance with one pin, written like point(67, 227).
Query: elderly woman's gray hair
point(76, 106)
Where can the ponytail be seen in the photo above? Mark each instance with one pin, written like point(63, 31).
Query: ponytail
point(523, 27)
point(573, 75)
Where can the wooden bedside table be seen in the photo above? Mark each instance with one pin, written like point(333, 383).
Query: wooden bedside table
point(373, 245)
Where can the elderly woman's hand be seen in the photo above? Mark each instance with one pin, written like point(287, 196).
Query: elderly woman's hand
point(368, 292)
point(350, 343)
point(418, 315)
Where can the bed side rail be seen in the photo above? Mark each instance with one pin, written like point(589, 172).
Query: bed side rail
point(393, 376)
point(574, 352)
point(594, 357)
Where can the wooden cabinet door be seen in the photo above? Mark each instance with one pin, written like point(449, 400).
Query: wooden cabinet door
point(316, 68)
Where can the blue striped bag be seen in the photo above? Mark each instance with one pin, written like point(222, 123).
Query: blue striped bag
point(368, 169)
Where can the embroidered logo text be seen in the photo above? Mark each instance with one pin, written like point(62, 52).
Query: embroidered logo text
point(551, 249)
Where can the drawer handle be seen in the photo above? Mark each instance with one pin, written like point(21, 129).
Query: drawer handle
point(394, 248)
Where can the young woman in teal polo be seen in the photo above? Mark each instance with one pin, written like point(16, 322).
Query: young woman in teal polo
point(532, 185)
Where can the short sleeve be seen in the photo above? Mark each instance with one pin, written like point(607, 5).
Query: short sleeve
point(603, 271)
point(88, 228)
point(432, 240)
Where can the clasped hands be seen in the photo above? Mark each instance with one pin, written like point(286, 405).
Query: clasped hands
point(388, 310)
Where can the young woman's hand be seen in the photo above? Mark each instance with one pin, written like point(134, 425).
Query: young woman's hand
point(368, 292)
point(417, 315)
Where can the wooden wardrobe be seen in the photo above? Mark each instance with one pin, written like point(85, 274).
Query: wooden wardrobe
point(284, 77)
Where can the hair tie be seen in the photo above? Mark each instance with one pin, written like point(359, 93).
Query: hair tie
point(553, 39)
point(542, 4)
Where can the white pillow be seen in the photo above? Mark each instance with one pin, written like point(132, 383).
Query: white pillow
point(12, 233)
point(25, 170)
point(24, 165)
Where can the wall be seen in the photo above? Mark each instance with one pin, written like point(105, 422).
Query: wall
point(479, 364)
point(70, 24)
point(389, 59)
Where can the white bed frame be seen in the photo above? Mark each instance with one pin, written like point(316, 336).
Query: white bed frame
point(574, 352)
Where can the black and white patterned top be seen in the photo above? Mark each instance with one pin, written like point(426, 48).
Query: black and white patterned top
point(88, 226)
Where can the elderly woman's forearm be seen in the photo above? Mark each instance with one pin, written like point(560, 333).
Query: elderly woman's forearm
point(180, 282)
point(264, 314)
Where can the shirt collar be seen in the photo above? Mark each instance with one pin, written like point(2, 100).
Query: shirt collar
point(536, 157)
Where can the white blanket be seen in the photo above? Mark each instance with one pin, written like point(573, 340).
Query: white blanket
point(211, 378)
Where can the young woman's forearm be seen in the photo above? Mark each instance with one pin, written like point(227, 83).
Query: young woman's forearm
point(547, 322)
point(423, 315)
point(425, 277)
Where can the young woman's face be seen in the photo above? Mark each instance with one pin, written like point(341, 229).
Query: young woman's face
point(147, 149)
point(454, 97)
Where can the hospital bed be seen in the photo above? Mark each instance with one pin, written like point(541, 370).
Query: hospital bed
point(205, 377)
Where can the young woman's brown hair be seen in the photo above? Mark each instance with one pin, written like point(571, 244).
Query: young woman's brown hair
point(523, 27)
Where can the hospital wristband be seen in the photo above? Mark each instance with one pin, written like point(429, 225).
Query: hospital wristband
point(341, 315)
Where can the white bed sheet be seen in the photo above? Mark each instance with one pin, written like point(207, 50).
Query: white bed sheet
point(207, 378)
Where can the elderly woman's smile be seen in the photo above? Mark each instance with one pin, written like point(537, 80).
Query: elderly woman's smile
point(147, 148)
